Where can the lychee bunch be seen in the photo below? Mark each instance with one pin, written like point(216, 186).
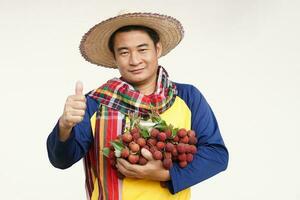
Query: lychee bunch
point(165, 142)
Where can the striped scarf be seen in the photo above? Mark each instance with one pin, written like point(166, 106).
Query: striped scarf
point(116, 100)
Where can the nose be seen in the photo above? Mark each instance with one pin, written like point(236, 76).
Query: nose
point(134, 59)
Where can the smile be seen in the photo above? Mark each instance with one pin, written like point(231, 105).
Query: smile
point(136, 71)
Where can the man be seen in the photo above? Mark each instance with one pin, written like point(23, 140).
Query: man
point(133, 43)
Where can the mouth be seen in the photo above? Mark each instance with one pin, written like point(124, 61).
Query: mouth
point(136, 71)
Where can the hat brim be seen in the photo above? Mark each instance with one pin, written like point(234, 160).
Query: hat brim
point(94, 44)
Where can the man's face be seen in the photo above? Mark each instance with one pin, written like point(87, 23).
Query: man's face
point(136, 57)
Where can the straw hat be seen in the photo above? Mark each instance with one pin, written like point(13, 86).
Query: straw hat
point(94, 44)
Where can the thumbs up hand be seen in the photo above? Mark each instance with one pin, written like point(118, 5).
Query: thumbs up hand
point(74, 111)
point(79, 88)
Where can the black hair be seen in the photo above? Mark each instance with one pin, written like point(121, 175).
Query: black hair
point(152, 34)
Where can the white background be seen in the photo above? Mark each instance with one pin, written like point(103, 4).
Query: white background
point(243, 55)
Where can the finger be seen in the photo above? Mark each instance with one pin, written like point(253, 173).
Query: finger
point(79, 105)
point(123, 163)
point(80, 98)
point(147, 154)
point(76, 112)
point(79, 88)
point(74, 119)
point(125, 171)
point(127, 165)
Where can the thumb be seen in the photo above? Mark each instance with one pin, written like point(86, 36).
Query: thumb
point(79, 88)
point(147, 154)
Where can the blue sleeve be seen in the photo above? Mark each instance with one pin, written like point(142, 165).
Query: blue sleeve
point(64, 154)
point(212, 155)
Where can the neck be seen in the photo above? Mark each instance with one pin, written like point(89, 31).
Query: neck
point(147, 87)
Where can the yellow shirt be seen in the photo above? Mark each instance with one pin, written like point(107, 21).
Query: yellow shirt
point(179, 116)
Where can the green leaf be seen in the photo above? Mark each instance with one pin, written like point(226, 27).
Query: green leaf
point(163, 122)
point(118, 145)
point(144, 132)
point(160, 127)
point(105, 151)
point(174, 132)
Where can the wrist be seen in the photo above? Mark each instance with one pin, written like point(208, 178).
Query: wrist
point(63, 125)
point(64, 131)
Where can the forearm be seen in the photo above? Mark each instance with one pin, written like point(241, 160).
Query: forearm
point(208, 161)
point(63, 154)
point(60, 152)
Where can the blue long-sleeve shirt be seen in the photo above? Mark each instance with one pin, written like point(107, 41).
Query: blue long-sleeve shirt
point(210, 159)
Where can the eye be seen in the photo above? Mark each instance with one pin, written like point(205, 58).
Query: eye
point(123, 53)
point(143, 50)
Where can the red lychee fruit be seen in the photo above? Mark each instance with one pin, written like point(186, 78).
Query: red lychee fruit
point(153, 149)
point(162, 136)
point(135, 136)
point(187, 148)
point(154, 132)
point(141, 141)
point(168, 133)
point(151, 142)
point(192, 140)
point(126, 137)
point(134, 147)
point(189, 157)
point(133, 158)
point(160, 145)
point(135, 130)
point(174, 152)
point(181, 148)
point(167, 163)
point(182, 132)
point(182, 157)
point(176, 138)
point(184, 139)
point(169, 147)
point(142, 160)
point(125, 153)
point(182, 164)
point(193, 149)
point(191, 133)
point(157, 155)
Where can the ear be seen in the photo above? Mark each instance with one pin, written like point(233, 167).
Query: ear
point(115, 60)
point(158, 49)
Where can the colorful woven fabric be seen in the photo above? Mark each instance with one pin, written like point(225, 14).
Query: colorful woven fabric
point(117, 99)
point(121, 96)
